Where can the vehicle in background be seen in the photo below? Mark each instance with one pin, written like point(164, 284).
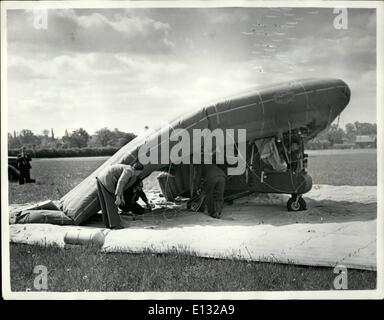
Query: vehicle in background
point(13, 173)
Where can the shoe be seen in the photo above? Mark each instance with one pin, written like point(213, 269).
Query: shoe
point(215, 215)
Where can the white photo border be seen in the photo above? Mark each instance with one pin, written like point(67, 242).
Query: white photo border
point(378, 293)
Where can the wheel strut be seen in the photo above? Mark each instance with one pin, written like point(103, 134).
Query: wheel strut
point(296, 203)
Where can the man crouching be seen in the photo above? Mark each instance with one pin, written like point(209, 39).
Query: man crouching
point(111, 184)
point(132, 195)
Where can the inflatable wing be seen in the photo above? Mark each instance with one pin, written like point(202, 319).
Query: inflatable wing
point(265, 112)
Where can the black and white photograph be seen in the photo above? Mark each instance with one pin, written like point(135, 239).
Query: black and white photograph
point(192, 150)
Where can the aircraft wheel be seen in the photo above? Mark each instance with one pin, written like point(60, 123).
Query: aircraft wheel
point(296, 205)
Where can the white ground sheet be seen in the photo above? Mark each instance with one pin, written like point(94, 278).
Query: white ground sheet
point(338, 228)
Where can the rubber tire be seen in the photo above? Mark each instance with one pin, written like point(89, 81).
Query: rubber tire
point(301, 205)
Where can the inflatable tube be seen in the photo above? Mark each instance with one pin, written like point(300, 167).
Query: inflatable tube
point(262, 111)
point(85, 237)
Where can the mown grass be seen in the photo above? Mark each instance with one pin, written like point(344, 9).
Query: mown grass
point(349, 168)
point(96, 271)
point(85, 268)
point(54, 178)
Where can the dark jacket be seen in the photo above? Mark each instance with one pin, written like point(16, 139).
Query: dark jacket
point(23, 161)
point(208, 171)
point(131, 196)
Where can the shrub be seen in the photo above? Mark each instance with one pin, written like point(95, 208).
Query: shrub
point(67, 153)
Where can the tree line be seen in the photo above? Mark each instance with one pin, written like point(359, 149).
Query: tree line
point(336, 135)
point(78, 142)
point(105, 141)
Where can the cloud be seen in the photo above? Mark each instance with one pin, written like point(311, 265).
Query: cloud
point(130, 68)
point(74, 31)
point(225, 16)
point(343, 52)
point(104, 86)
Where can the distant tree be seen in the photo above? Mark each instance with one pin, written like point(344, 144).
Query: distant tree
point(27, 137)
point(78, 138)
point(52, 135)
point(104, 137)
point(125, 139)
point(121, 138)
point(107, 138)
point(350, 131)
point(13, 141)
point(45, 141)
point(363, 128)
point(335, 134)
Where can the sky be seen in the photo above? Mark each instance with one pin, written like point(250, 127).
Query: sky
point(137, 67)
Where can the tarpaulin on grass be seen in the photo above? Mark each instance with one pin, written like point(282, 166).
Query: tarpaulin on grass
point(339, 227)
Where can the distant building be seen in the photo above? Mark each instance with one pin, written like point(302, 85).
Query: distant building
point(366, 141)
point(317, 144)
point(343, 145)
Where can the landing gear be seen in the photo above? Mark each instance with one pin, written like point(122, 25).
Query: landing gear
point(296, 203)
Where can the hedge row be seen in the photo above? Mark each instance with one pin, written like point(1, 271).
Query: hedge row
point(64, 153)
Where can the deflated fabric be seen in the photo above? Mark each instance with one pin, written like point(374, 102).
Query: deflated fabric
point(177, 184)
point(82, 201)
point(43, 216)
point(269, 153)
point(262, 112)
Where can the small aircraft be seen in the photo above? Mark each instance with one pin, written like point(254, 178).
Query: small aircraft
point(278, 120)
point(295, 116)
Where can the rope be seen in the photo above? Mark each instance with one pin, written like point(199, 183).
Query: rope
point(290, 147)
point(168, 174)
point(258, 177)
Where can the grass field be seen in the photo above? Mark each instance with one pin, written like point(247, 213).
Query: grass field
point(343, 167)
point(97, 271)
point(55, 177)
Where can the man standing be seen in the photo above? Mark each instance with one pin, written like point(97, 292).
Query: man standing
point(132, 195)
point(24, 166)
point(213, 187)
point(111, 184)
